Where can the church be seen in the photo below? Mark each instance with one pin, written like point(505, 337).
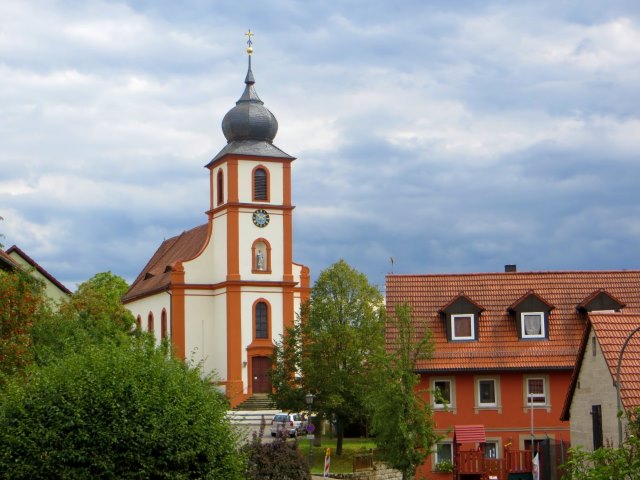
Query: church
point(224, 291)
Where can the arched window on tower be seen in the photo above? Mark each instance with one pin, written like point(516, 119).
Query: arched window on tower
point(260, 184)
point(220, 187)
point(261, 320)
point(163, 324)
point(150, 326)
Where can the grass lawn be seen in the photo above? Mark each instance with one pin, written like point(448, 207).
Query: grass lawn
point(339, 464)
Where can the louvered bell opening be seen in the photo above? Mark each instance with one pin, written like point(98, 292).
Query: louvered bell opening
point(260, 185)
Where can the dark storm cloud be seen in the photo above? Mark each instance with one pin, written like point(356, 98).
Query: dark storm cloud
point(449, 136)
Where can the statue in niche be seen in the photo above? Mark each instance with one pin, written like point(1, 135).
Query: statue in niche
point(260, 260)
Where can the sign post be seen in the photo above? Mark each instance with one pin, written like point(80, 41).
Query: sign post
point(310, 436)
point(327, 463)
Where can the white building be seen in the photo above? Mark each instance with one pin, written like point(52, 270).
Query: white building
point(224, 291)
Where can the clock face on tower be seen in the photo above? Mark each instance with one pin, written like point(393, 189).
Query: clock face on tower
point(261, 218)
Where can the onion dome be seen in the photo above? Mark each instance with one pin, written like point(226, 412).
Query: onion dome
point(249, 119)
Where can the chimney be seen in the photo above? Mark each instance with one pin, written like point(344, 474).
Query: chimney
point(510, 268)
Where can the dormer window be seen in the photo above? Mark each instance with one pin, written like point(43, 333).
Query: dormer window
point(463, 327)
point(600, 301)
point(531, 313)
point(532, 325)
point(461, 316)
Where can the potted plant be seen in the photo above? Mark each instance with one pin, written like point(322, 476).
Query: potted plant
point(444, 466)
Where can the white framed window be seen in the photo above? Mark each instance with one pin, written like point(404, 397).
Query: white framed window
point(443, 393)
point(536, 391)
point(463, 327)
point(491, 449)
point(443, 452)
point(487, 393)
point(532, 325)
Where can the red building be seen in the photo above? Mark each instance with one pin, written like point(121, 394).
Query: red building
point(505, 350)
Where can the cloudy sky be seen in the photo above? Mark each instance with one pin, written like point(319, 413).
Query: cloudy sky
point(453, 136)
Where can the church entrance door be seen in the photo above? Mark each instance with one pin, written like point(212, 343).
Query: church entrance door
point(260, 368)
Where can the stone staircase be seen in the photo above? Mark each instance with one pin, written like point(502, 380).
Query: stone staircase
point(253, 416)
point(258, 401)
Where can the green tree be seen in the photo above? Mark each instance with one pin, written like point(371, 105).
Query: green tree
point(116, 411)
point(92, 315)
point(23, 305)
point(402, 420)
point(98, 300)
point(339, 331)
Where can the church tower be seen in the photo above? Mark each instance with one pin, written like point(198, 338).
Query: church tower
point(232, 285)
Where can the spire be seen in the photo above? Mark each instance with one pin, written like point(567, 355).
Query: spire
point(249, 119)
point(249, 80)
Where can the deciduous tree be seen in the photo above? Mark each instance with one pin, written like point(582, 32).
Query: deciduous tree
point(22, 305)
point(402, 419)
point(329, 350)
point(92, 315)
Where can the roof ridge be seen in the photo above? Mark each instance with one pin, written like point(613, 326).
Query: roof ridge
point(532, 272)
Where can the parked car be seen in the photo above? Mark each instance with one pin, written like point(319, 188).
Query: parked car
point(293, 424)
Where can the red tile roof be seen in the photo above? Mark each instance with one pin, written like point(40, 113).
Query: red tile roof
point(612, 330)
point(6, 262)
point(498, 346)
point(156, 274)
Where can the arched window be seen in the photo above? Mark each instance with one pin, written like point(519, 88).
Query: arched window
point(150, 326)
point(139, 322)
point(163, 324)
point(220, 187)
point(260, 184)
point(261, 319)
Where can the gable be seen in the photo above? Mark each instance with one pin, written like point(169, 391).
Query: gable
point(156, 275)
point(600, 301)
point(530, 302)
point(611, 330)
point(461, 304)
point(54, 288)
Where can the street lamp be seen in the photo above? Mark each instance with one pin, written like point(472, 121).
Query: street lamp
point(309, 399)
point(619, 412)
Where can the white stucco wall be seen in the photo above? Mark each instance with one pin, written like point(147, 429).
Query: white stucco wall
point(155, 304)
point(249, 233)
point(201, 268)
point(245, 181)
point(206, 331)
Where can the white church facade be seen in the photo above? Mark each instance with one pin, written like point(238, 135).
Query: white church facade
point(224, 291)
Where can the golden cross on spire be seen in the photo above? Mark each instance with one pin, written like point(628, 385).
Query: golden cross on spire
point(249, 42)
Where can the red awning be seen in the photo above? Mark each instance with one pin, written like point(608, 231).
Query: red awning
point(469, 434)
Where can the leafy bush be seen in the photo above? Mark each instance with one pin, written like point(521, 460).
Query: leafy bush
point(278, 460)
point(93, 315)
point(116, 411)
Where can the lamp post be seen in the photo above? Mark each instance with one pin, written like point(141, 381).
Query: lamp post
point(619, 400)
point(309, 399)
